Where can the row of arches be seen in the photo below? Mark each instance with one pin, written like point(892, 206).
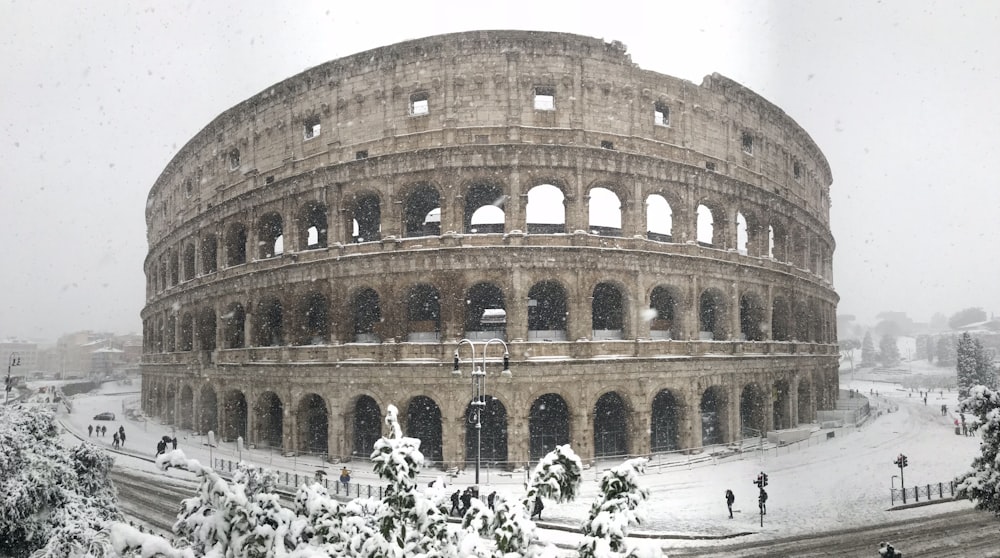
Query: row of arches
point(617, 424)
point(485, 207)
point(549, 312)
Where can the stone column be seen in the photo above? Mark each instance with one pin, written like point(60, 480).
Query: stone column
point(516, 305)
point(690, 423)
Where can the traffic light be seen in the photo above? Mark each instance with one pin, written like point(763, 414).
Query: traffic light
point(901, 461)
point(904, 461)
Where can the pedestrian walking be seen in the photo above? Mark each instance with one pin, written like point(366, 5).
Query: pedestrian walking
point(345, 477)
point(490, 499)
point(121, 436)
point(90, 430)
point(466, 500)
point(455, 509)
point(730, 498)
point(538, 507)
point(173, 442)
point(762, 501)
point(161, 447)
point(114, 441)
point(104, 431)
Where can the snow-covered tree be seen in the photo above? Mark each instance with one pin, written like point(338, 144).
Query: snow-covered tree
point(946, 350)
point(55, 502)
point(985, 371)
point(982, 483)
point(615, 510)
point(868, 355)
point(888, 350)
point(966, 365)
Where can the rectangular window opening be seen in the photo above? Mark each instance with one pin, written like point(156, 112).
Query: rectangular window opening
point(419, 104)
point(311, 128)
point(545, 98)
point(605, 144)
point(269, 180)
point(234, 159)
point(482, 139)
point(748, 143)
point(709, 165)
point(661, 114)
point(797, 170)
point(363, 154)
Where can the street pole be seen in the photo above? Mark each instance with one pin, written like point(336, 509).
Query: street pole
point(14, 360)
point(478, 402)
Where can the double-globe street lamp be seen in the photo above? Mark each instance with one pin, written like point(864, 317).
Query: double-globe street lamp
point(15, 360)
point(479, 389)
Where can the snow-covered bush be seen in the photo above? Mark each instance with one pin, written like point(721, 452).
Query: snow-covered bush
point(982, 483)
point(615, 510)
point(54, 501)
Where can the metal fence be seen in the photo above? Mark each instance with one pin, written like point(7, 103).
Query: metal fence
point(291, 481)
point(923, 493)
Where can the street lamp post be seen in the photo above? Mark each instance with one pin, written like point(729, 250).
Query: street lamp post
point(15, 360)
point(479, 389)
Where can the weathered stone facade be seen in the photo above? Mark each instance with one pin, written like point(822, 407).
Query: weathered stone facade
point(318, 251)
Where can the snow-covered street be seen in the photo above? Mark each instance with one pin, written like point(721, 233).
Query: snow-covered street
point(832, 482)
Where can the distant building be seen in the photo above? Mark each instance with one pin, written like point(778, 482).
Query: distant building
point(25, 351)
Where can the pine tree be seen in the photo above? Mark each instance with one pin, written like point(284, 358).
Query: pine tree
point(965, 365)
point(868, 356)
point(615, 510)
point(888, 351)
point(985, 372)
point(946, 352)
point(981, 484)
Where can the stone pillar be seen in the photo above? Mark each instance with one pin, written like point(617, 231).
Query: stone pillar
point(634, 220)
point(578, 323)
point(640, 424)
point(581, 432)
point(640, 304)
point(515, 216)
point(692, 319)
point(734, 328)
point(248, 318)
point(517, 306)
point(518, 439)
point(690, 423)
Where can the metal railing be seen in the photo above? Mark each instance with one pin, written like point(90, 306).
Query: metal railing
point(923, 492)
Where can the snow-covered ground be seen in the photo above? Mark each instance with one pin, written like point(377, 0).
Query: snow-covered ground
point(830, 483)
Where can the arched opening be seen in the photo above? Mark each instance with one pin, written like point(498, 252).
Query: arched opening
point(422, 212)
point(712, 315)
point(206, 329)
point(605, 212)
point(484, 209)
point(545, 212)
point(806, 411)
point(270, 236)
point(713, 416)
point(187, 408)
point(235, 324)
point(367, 426)
point(607, 310)
point(209, 253)
point(236, 244)
point(493, 446)
point(367, 314)
point(269, 326)
point(548, 425)
point(780, 320)
point(706, 226)
point(423, 421)
point(187, 332)
point(313, 424)
point(208, 416)
point(665, 427)
point(236, 416)
point(753, 413)
point(174, 271)
point(485, 313)
point(163, 274)
point(270, 420)
point(751, 318)
point(170, 335)
point(366, 219)
point(315, 311)
point(781, 249)
point(189, 262)
point(169, 414)
point(659, 219)
point(663, 324)
point(312, 225)
point(547, 312)
point(610, 426)
point(742, 234)
point(782, 405)
point(423, 314)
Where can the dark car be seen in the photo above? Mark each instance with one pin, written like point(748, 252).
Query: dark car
point(105, 416)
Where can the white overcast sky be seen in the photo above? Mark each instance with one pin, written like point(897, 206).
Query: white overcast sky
point(97, 96)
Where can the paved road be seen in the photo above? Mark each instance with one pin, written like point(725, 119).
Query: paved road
point(961, 534)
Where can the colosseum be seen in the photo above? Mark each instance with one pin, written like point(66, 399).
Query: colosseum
point(655, 256)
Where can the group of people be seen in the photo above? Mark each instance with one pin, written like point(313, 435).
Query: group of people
point(966, 429)
point(118, 438)
point(161, 446)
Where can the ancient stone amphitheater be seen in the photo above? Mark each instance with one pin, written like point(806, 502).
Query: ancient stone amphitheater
point(655, 254)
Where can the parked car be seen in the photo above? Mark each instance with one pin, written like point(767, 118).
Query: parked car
point(104, 416)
